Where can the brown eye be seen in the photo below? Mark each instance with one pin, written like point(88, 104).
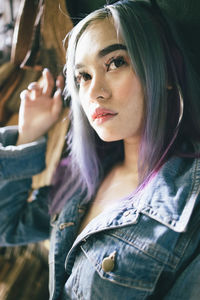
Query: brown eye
point(116, 63)
point(82, 77)
point(85, 76)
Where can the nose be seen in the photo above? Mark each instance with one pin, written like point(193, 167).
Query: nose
point(99, 89)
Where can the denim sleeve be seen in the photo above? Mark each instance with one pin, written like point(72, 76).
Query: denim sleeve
point(22, 221)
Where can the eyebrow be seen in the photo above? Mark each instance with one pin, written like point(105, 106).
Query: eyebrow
point(106, 51)
point(111, 48)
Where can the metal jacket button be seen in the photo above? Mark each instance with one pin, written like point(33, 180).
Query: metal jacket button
point(65, 225)
point(108, 263)
point(127, 213)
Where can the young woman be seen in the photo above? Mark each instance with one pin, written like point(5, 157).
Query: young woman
point(126, 199)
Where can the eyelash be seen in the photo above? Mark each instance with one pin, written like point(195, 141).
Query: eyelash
point(115, 60)
point(82, 75)
point(119, 61)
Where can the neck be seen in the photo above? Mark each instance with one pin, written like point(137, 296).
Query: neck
point(131, 152)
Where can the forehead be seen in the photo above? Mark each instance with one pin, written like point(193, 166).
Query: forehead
point(98, 35)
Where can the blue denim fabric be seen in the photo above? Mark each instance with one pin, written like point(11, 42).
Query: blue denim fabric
point(21, 222)
point(155, 234)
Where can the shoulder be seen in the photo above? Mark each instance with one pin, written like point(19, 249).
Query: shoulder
point(172, 193)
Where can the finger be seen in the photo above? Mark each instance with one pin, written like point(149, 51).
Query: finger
point(32, 85)
point(60, 82)
point(48, 82)
point(57, 103)
point(35, 90)
point(24, 95)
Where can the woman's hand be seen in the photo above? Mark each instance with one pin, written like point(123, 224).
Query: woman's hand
point(39, 109)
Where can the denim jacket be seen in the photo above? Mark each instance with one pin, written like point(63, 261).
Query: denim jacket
point(146, 248)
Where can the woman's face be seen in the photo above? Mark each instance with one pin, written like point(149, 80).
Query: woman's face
point(109, 90)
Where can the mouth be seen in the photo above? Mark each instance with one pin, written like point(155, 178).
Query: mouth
point(101, 115)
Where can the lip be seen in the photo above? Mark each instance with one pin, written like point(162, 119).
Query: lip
point(103, 114)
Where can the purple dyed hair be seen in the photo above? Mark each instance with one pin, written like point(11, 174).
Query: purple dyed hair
point(171, 116)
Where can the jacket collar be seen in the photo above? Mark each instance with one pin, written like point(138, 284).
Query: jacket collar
point(171, 195)
point(169, 198)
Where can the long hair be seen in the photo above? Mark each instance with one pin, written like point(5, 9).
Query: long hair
point(171, 95)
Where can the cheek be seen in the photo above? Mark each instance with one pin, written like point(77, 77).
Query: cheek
point(127, 85)
point(83, 101)
point(130, 95)
point(85, 107)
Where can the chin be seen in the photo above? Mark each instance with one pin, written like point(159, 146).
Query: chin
point(108, 138)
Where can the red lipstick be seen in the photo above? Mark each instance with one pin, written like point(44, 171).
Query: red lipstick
point(101, 115)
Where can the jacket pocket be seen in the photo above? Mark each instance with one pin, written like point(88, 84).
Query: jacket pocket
point(126, 265)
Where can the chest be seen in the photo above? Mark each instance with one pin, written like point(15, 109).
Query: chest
point(110, 194)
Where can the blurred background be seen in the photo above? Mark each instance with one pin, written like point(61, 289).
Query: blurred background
point(187, 13)
point(31, 35)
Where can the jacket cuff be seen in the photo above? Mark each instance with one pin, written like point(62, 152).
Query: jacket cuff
point(23, 161)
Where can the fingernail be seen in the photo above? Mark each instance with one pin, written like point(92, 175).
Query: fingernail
point(23, 95)
point(45, 70)
point(59, 90)
point(31, 85)
point(57, 82)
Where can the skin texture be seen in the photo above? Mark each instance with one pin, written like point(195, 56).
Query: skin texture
point(39, 110)
point(108, 82)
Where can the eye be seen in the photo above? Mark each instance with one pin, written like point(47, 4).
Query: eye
point(116, 63)
point(82, 77)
